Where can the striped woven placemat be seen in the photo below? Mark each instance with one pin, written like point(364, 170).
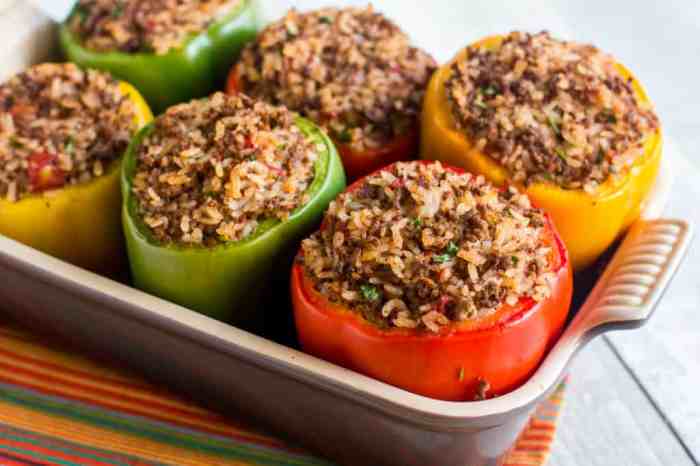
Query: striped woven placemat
point(59, 408)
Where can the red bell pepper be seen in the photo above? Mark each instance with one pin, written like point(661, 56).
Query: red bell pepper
point(486, 356)
point(360, 163)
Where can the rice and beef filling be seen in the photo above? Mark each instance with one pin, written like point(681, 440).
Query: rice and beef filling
point(351, 70)
point(144, 26)
point(550, 110)
point(213, 169)
point(420, 246)
point(60, 126)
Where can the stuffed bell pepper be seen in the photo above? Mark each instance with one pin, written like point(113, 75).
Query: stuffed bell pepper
point(563, 121)
point(171, 51)
point(217, 192)
point(63, 132)
point(350, 70)
point(433, 280)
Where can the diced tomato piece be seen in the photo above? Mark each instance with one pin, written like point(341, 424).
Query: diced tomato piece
point(44, 173)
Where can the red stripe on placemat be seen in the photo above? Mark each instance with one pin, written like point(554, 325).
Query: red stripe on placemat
point(532, 448)
point(20, 459)
point(106, 393)
point(6, 461)
point(46, 452)
point(79, 373)
point(119, 408)
point(196, 412)
point(76, 447)
point(536, 438)
point(542, 425)
point(146, 390)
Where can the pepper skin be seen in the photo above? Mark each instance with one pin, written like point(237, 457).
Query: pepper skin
point(503, 348)
point(193, 70)
point(588, 223)
point(79, 223)
point(226, 281)
point(360, 163)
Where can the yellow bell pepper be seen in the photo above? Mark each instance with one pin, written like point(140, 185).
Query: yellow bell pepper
point(80, 223)
point(588, 223)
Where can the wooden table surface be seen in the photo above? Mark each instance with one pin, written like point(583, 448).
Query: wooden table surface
point(634, 397)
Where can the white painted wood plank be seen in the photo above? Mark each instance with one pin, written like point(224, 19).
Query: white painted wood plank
point(665, 354)
point(607, 421)
point(26, 35)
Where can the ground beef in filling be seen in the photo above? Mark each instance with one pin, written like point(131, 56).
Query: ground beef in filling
point(213, 169)
point(144, 26)
point(60, 125)
point(550, 110)
point(420, 246)
point(351, 70)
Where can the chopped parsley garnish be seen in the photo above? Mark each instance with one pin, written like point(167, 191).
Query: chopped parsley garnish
point(15, 143)
point(325, 19)
point(441, 258)
point(452, 249)
point(81, 13)
point(70, 146)
point(450, 252)
point(561, 152)
point(479, 102)
point(118, 10)
point(370, 292)
point(292, 28)
point(554, 124)
point(514, 259)
point(600, 157)
point(417, 222)
point(609, 116)
point(345, 136)
point(490, 90)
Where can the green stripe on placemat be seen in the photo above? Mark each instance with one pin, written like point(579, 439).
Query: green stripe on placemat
point(31, 439)
point(57, 408)
point(158, 432)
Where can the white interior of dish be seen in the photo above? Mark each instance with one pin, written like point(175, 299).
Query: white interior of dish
point(30, 41)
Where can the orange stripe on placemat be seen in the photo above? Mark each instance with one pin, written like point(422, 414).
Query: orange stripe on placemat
point(72, 370)
point(140, 402)
point(26, 343)
point(133, 398)
point(25, 363)
point(535, 437)
point(533, 446)
point(78, 448)
point(88, 375)
point(6, 461)
point(69, 364)
point(542, 425)
point(134, 409)
point(68, 374)
point(106, 439)
point(11, 445)
point(20, 459)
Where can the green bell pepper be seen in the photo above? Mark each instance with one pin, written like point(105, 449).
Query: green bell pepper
point(194, 70)
point(226, 281)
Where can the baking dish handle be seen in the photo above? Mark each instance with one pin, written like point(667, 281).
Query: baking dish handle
point(627, 293)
